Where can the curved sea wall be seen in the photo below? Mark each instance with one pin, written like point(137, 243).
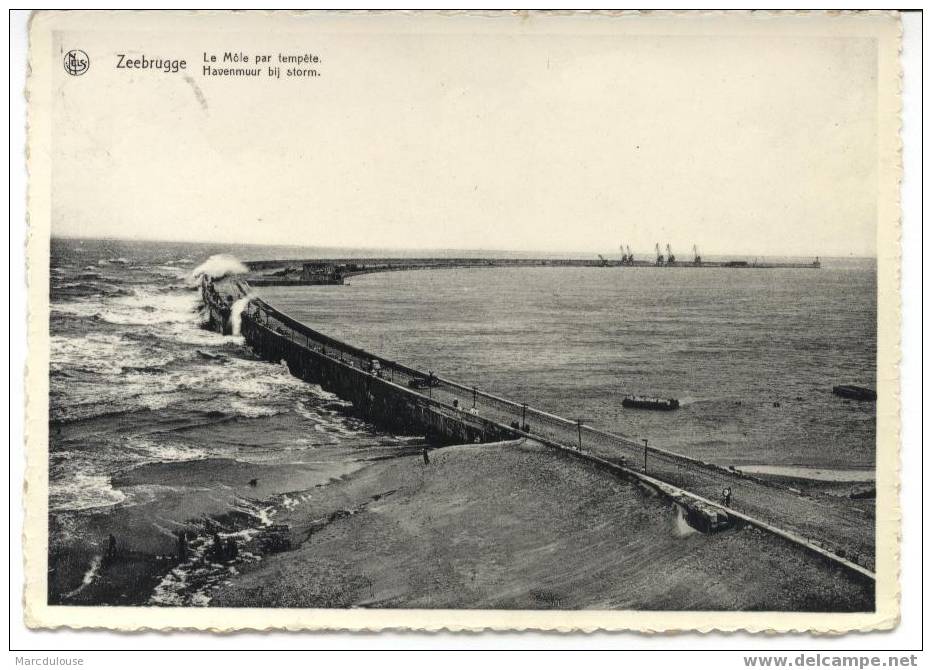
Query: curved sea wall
point(276, 337)
point(376, 399)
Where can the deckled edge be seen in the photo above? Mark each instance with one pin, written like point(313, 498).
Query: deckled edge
point(34, 621)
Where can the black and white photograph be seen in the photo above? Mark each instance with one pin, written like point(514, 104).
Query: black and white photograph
point(417, 320)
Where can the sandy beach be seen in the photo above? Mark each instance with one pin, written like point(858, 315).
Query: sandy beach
point(516, 526)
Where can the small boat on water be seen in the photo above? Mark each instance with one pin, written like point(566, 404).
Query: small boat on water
point(645, 402)
point(854, 392)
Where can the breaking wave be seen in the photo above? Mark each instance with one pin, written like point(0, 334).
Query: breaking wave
point(218, 266)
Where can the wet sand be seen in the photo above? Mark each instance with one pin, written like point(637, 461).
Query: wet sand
point(516, 526)
point(859, 494)
point(196, 497)
point(503, 526)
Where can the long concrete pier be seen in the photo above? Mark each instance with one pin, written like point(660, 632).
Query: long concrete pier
point(413, 402)
point(335, 270)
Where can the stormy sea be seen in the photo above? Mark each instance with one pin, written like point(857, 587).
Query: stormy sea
point(175, 452)
point(142, 399)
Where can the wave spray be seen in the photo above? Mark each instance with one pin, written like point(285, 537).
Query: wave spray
point(219, 266)
point(236, 313)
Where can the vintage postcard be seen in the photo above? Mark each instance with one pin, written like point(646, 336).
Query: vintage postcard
point(463, 320)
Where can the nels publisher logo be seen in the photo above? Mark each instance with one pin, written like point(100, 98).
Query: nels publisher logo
point(76, 62)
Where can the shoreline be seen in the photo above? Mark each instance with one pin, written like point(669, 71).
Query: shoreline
point(513, 525)
point(509, 525)
point(815, 474)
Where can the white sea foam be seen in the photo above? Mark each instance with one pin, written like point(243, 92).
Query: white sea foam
point(239, 387)
point(104, 353)
point(254, 380)
point(162, 451)
point(236, 313)
point(264, 514)
point(192, 582)
point(251, 411)
point(96, 351)
point(200, 599)
point(184, 333)
point(83, 491)
point(146, 308)
point(139, 309)
point(169, 271)
point(681, 527)
point(169, 591)
point(89, 576)
point(218, 266)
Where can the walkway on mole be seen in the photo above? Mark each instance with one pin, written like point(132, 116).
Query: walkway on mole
point(841, 523)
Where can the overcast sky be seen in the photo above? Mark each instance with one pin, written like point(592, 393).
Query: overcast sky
point(496, 139)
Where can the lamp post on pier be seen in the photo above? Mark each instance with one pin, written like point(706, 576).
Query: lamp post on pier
point(475, 392)
point(579, 427)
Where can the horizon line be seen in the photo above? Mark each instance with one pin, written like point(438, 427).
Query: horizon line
point(109, 238)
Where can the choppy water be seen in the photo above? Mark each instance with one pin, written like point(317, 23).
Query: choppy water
point(135, 381)
point(752, 355)
point(138, 387)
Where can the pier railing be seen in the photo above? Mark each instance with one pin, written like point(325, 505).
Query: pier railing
point(748, 494)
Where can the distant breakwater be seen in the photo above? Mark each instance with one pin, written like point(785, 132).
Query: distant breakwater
point(414, 402)
point(285, 272)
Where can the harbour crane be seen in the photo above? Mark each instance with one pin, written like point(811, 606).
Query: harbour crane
point(624, 259)
point(631, 257)
point(659, 255)
point(602, 262)
point(698, 259)
point(671, 259)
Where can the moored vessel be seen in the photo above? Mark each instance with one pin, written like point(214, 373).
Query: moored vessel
point(854, 392)
point(645, 402)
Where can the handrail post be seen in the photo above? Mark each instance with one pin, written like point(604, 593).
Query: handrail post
point(579, 432)
point(645, 454)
